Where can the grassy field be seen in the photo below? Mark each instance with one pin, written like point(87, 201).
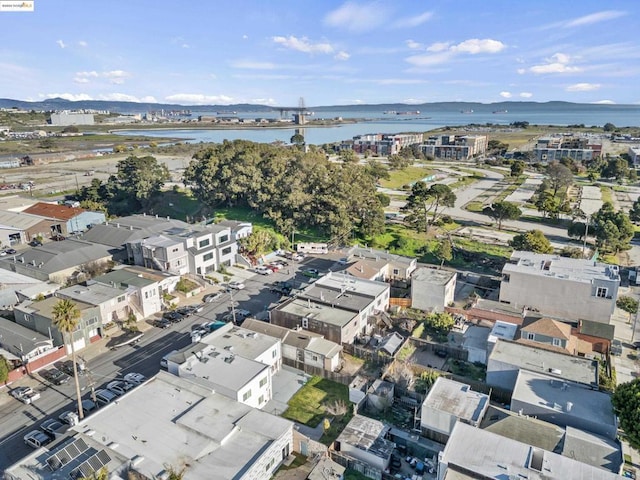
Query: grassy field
point(405, 177)
point(607, 194)
point(308, 406)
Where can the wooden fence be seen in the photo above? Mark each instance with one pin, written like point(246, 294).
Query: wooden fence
point(320, 372)
point(400, 302)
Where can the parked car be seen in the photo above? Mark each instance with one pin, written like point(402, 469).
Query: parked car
point(68, 417)
point(67, 367)
point(135, 378)
point(57, 238)
point(240, 314)
point(119, 387)
point(162, 323)
point(311, 273)
point(26, 395)
point(281, 289)
point(35, 243)
point(105, 397)
point(263, 270)
point(212, 297)
point(173, 316)
point(10, 251)
point(88, 406)
point(236, 285)
point(55, 376)
point(616, 347)
point(274, 267)
point(37, 438)
point(53, 427)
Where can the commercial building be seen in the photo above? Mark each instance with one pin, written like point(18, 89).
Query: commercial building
point(508, 358)
point(67, 118)
point(432, 289)
point(69, 219)
point(447, 403)
point(474, 453)
point(337, 306)
point(455, 147)
point(634, 156)
point(560, 287)
point(564, 403)
point(385, 144)
point(168, 421)
point(551, 149)
point(18, 227)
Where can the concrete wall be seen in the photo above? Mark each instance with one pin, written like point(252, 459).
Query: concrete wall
point(502, 375)
point(559, 297)
point(432, 298)
point(266, 464)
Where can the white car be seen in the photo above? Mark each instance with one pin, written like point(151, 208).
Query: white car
point(36, 438)
point(25, 394)
point(262, 270)
point(135, 378)
point(236, 285)
point(68, 417)
point(119, 387)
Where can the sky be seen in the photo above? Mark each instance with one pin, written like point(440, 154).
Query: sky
point(274, 52)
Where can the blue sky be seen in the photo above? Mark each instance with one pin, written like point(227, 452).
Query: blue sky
point(329, 52)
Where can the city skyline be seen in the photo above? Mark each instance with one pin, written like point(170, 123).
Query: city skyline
point(331, 53)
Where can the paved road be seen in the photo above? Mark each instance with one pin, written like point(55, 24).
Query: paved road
point(105, 365)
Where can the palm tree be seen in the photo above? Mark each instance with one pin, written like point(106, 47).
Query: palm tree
point(66, 317)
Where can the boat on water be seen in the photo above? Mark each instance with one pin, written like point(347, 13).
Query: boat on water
point(466, 111)
point(389, 112)
point(500, 111)
point(412, 112)
point(226, 112)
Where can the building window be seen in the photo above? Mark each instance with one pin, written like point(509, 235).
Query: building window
point(557, 342)
point(314, 358)
point(174, 250)
point(264, 381)
point(223, 238)
point(531, 336)
point(396, 271)
point(120, 299)
point(305, 323)
point(28, 317)
point(207, 256)
point(226, 251)
point(204, 243)
point(261, 400)
point(506, 277)
point(246, 395)
point(601, 292)
point(274, 353)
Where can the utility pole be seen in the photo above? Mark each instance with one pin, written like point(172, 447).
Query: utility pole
point(90, 380)
point(233, 308)
point(586, 232)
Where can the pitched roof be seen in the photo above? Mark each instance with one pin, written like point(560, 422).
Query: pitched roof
point(549, 328)
point(597, 329)
point(53, 210)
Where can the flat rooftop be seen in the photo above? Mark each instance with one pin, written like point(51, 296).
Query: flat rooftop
point(457, 399)
point(323, 313)
point(171, 421)
point(94, 294)
point(344, 291)
point(544, 265)
point(502, 330)
point(472, 451)
point(432, 276)
point(567, 367)
point(555, 395)
point(241, 341)
point(367, 434)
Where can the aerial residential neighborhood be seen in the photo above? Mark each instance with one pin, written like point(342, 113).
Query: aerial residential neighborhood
point(338, 240)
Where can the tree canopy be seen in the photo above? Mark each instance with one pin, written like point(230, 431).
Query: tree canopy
point(613, 230)
point(628, 304)
point(501, 211)
point(626, 404)
point(532, 241)
point(559, 177)
point(424, 201)
point(444, 252)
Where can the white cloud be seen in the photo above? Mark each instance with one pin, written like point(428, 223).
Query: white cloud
point(414, 21)
point(92, 73)
point(303, 44)
point(264, 101)
point(342, 56)
point(413, 45)
point(61, 44)
point(115, 74)
point(73, 97)
point(113, 97)
point(526, 94)
point(199, 99)
point(595, 18)
point(583, 87)
point(522, 71)
point(443, 51)
point(185, 45)
point(251, 65)
point(604, 102)
point(476, 45)
point(356, 17)
point(414, 101)
point(399, 81)
point(81, 80)
point(245, 37)
point(83, 44)
point(506, 94)
point(557, 63)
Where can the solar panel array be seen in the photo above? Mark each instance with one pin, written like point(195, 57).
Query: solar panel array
point(67, 454)
point(92, 464)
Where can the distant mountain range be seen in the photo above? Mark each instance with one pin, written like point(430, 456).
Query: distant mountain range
point(133, 107)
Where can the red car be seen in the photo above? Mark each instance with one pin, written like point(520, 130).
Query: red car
point(274, 267)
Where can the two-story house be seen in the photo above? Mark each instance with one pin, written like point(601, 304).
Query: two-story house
point(574, 289)
point(113, 302)
point(388, 265)
point(554, 335)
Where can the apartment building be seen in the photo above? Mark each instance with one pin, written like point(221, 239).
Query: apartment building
point(455, 147)
point(385, 144)
point(551, 149)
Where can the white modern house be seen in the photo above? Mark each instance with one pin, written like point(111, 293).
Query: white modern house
point(432, 289)
point(560, 287)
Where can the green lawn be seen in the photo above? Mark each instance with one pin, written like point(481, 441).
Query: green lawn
point(607, 194)
point(406, 176)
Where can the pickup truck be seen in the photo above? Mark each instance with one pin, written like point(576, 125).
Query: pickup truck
point(25, 394)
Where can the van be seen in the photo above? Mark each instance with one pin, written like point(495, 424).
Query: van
point(314, 248)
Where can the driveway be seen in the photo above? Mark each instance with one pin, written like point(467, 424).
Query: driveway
point(284, 385)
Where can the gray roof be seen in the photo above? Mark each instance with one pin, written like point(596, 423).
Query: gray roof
point(94, 293)
point(433, 276)
point(234, 224)
point(592, 449)
point(456, 399)
point(578, 270)
point(367, 434)
point(480, 452)
point(326, 469)
point(597, 329)
point(476, 337)
point(391, 343)
point(14, 337)
point(117, 233)
point(559, 365)
point(123, 278)
point(19, 220)
point(367, 252)
point(57, 256)
point(326, 314)
point(171, 421)
point(553, 395)
point(524, 429)
point(242, 341)
point(45, 307)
